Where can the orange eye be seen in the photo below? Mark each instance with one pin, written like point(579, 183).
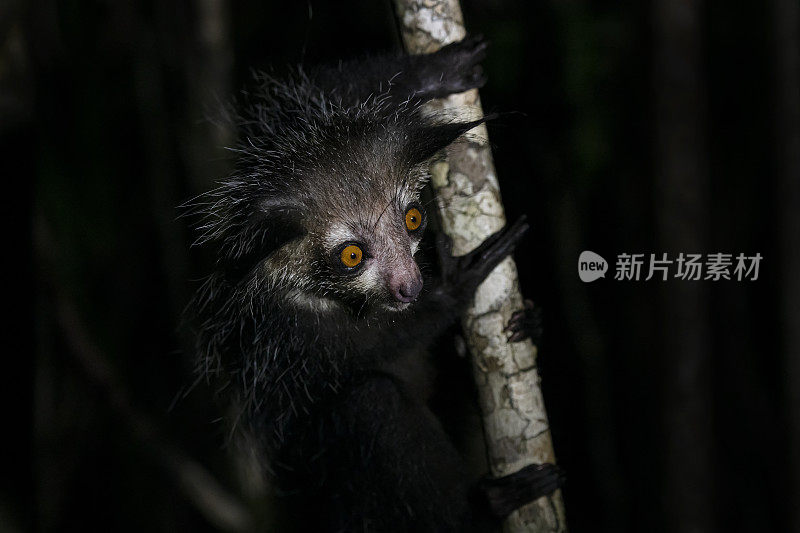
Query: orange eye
point(351, 256)
point(413, 219)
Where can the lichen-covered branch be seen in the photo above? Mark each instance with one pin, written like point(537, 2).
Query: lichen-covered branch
point(468, 196)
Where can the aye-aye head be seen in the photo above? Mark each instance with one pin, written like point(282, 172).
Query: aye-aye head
point(330, 216)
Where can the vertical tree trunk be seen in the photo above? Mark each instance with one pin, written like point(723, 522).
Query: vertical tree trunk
point(681, 182)
point(786, 14)
point(515, 421)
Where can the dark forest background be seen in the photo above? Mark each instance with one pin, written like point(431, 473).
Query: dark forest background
point(641, 127)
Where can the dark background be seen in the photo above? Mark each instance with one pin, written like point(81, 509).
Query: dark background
point(643, 127)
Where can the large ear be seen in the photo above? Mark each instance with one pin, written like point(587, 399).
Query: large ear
point(428, 140)
point(271, 226)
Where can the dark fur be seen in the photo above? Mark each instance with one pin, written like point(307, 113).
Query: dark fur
point(348, 446)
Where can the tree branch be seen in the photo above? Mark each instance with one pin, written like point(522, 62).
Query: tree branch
point(468, 196)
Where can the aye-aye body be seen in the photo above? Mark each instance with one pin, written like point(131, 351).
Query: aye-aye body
point(317, 291)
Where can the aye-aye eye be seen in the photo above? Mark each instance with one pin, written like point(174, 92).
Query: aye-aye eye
point(413, 218)
point(351, 255)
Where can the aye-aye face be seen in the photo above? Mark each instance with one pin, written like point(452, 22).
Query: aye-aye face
point(360, 243)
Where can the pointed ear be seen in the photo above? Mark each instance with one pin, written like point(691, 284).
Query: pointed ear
point(428, 140)
point(276, 222)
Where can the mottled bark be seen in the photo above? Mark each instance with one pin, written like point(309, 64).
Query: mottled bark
point(786, 14)
point(515, 422)
point(681, 204)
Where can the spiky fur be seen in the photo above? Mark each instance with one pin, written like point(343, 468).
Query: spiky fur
point(302, 348)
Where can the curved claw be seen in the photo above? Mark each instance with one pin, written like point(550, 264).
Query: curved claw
point(525, 323)
point(499, 244)
point(507, 493)
point(464, 273)
point(454, 68)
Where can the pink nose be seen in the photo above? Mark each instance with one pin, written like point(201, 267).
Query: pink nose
point(405, 284)
point(406, 290)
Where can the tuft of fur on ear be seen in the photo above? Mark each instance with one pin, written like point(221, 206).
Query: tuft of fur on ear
point(244, 226)
point(425, 141)
point(264, 233)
